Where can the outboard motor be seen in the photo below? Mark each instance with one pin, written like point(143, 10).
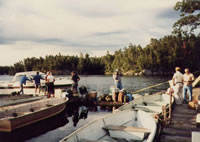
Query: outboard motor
point(83, 90)
point(84, 94)
point(69, 93)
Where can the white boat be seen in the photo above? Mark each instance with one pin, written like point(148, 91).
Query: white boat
point(17, 116)
point(152, 104)
point(14, 85)
point(130, 125)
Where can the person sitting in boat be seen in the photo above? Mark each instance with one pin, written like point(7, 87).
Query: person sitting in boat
point(117, 79)
point(75, 78)
point(178, 85)
point(50, 80)
point(23, 80)
point(37, 78)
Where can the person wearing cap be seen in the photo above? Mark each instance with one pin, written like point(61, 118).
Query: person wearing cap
point(117, 79)
point(178, 85)
point(188, 78)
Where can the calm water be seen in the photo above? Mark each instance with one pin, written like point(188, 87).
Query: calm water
point(56, 128)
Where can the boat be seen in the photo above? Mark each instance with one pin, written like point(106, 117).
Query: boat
point(152, 104)
point(14, 85)
point(129, 125)
point(17, 116)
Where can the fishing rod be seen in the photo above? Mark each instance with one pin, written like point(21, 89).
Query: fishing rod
point(150, 87)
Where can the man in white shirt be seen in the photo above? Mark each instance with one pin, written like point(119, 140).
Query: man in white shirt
point(50, 80)
point(178, 85)
point(188, 79)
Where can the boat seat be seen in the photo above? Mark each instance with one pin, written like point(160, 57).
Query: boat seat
point(86, 140)
point(128, 133)
point(35, 109)
point(127, 128)
point(20, 113)
point(49, 105)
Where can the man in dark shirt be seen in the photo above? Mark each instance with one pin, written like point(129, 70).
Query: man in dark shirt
point(75, 78)
point(37, 78)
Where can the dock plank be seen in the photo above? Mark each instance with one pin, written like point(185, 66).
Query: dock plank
point(182, 124)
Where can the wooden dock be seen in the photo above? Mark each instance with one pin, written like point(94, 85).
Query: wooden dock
point(183, 123)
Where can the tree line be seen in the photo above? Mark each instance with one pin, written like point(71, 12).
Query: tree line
point(181, 48)
point(159, 55)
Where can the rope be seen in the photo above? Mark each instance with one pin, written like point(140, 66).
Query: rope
point(150, 87)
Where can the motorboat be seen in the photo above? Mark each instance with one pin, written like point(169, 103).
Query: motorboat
point(14, 85)
point(129, 125)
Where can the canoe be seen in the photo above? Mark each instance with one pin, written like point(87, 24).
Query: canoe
point(17, 116)
point(149, 103)
point(14, 85)
point(130, 125)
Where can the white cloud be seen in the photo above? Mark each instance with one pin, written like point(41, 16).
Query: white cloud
point(38, 28)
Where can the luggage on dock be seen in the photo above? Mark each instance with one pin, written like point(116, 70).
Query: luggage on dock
point(92, 96)
point(121, 96)
point(193, 105)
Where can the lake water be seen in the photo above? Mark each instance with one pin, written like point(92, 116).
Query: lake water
point(56, 128)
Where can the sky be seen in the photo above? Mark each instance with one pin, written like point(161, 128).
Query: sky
point(36, 28)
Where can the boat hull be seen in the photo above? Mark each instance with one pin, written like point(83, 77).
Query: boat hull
point(25, 118)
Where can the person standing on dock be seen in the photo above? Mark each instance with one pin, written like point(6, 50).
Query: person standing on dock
point(75, 78)
point(50, 81)
point(117, 79)
point(188, 78)
point(23, 80)
point(37, 78)
point(178, 85)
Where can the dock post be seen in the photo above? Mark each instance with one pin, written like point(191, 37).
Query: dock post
point(170, 108)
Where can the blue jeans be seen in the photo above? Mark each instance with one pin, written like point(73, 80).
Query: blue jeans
point(185, 89)
point(119, 85)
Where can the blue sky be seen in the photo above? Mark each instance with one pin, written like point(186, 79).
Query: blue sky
point(33, 28)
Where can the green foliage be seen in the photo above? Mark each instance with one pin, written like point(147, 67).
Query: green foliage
point(189, 17)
